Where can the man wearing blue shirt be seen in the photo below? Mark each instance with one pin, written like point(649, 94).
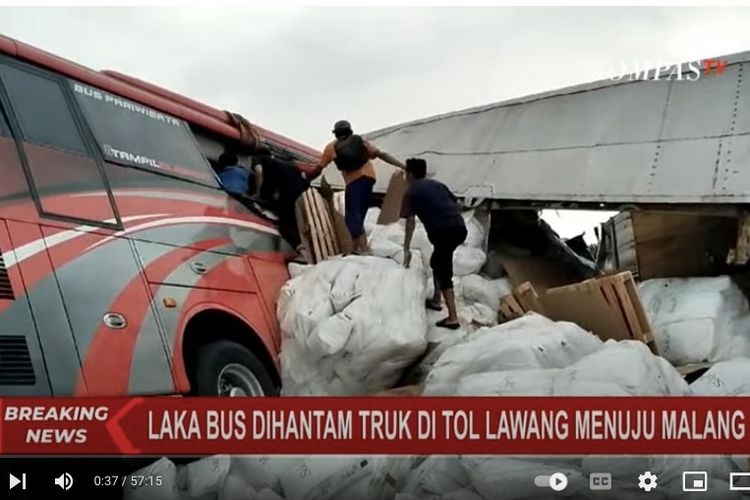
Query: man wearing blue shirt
point(235, 179)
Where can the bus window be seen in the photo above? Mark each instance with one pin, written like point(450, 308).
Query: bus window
point(13, 188)
point(4, 128)
point(132, 134)
point(42, 111)
point(66, 179)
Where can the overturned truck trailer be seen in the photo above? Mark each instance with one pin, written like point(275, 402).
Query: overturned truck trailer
point(678, 149)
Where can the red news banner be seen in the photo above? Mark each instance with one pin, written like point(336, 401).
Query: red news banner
point(500, 425)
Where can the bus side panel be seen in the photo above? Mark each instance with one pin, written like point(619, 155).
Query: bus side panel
point(60, 352)
point(192, 301)
point(22, 368)
point(185, 281)
point(108, 304)
point(271, 272)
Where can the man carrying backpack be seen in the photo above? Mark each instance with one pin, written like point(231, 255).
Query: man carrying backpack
point(352, 154)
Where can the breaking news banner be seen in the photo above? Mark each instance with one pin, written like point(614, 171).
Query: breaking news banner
point(278, 426)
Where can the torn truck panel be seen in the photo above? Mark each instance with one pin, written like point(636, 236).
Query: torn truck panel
point(609, 142)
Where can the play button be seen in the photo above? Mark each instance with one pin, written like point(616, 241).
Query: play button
point(558, 481)
point(13, 481)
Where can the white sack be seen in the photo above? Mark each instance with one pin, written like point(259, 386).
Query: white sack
point(436, 476)
point(625, 368)
point(531, 341)
point(697, 319)
point(207, 475)
point(363, 348)
point(295, 269)
point(462, 494)
point(236, 488)
point(726, 378)
point(533, 382)
point(267, 494)
point(475, 288)
point(476, 232)
point(371, 219)
point(476, 314)
point(261, 471)
point(468, 260)
point(322, 478)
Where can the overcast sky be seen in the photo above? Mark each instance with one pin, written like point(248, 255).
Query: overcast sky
point(297, 70)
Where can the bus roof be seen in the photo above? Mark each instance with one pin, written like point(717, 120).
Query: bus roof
point(193, 112)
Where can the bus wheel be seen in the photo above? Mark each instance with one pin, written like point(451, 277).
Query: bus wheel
point(227, 368)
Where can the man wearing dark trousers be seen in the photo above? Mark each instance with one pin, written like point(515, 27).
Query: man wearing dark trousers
point(352, 154)
point(438, 210)
point(279, 184)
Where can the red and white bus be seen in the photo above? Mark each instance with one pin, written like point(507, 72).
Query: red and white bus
point(125, 268)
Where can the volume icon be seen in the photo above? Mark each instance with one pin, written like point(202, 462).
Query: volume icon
point(64, 481)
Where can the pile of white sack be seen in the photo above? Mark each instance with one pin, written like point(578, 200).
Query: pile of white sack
point(531, 355)
point(535, 356)
point(330, 477)
point(350, 326)
point(697, 319)
point(388, 241)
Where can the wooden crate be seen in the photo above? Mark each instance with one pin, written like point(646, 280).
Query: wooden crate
point(608, 307)
point(522, 300)
point(654, 244)
point(317, 226)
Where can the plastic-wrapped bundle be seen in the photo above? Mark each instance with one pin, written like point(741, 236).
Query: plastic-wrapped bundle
point(726, 378)
point(625, 368)
point(531, 341)
point(350, 326)
point(697, 319)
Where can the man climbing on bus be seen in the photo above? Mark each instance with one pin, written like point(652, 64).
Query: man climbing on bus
point(352, 154)
point(279, 184)
point(438, 210)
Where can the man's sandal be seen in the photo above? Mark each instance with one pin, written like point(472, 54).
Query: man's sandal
point(443, 323)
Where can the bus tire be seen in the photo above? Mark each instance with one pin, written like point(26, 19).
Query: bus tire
point(226, 368)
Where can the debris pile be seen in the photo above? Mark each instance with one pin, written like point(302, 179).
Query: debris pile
point(358, 326)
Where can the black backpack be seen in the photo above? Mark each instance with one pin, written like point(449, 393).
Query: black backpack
point(351, 153)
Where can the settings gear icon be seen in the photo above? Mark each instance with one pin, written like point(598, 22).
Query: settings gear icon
point(647, 481)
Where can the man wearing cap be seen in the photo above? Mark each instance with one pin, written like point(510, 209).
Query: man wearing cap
point(352, 154)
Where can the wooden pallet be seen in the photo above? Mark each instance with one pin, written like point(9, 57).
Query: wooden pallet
point(522, 300)
point(608, 306)
point(316, 226)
